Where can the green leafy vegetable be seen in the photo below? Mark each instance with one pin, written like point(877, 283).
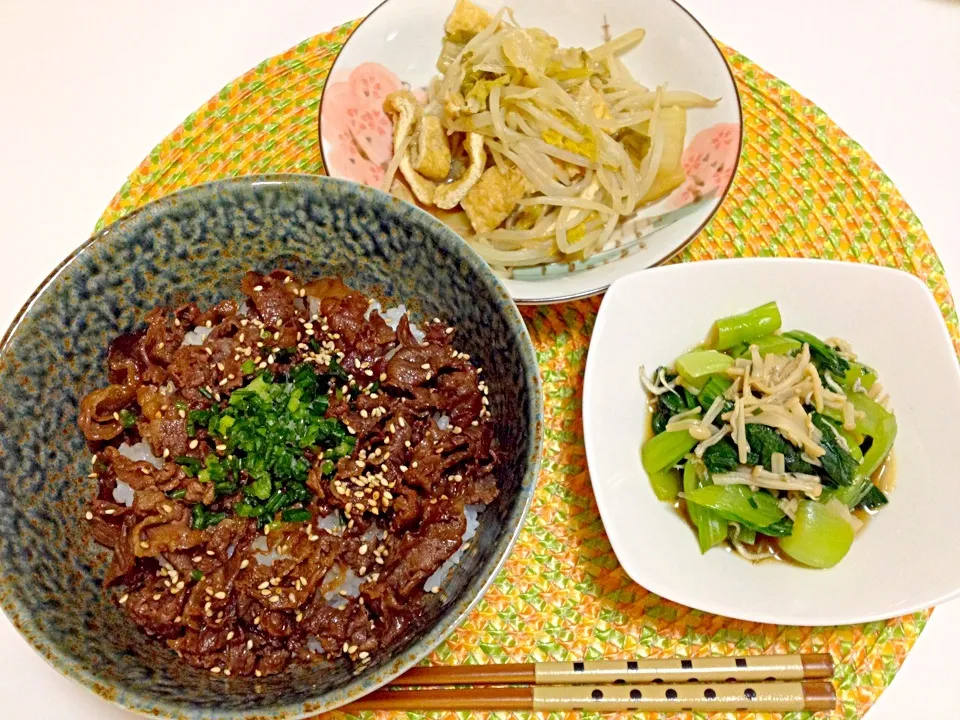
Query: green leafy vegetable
point(765, 441)
point(711, 528)
point(874, 499)
point(666, 484)
point(738, 503)
point(722, 457)
point(665, 450)
point(694, 367)
point(715, 387)
point(768, 345)
point(838, 464)
point(821, 536)
point(823, 356)
point(763, 320)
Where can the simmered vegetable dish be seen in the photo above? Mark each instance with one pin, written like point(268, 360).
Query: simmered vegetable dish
point(777, 443)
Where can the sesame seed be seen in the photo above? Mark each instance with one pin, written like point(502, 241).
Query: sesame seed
point(363, 550)
point(299, 617)
point(264, 584)
point(220, 595)
point(230, 635)
point(244, 564)
point(193, 444)
point(157, 596)
point(166, 452)
point(364, 654)
point(293, 598)
point(368, 373)
point(352, 649)
point(249, 644)
point(215, 670)
point(256, 620)
point(89, 515)
point(258, 288)
point(144, 545)
point(274, 599)
point(221, 448)
point(435, 589)
point(166, 508)
point(124, 598)
point(383, 376)
point(258, 673)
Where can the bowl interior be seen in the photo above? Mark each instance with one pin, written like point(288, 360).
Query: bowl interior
point(904, 559)
point(401, 39)
point(197, 244)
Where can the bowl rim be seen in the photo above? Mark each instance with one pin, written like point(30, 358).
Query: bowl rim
point(714, 604)
point(456, 611)
point(580, 294)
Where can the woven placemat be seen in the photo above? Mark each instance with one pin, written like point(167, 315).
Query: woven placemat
point(803, 189)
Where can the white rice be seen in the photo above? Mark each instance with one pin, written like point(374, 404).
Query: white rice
point(197, 335)
point(392, 317)
point(332, 524)
point(472, 513)
point(349, 587)
point(266, 556)
point(140, 451)
point(123, 494)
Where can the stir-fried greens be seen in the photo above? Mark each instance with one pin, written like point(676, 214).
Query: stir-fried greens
point(770, 437)
point(533, 152)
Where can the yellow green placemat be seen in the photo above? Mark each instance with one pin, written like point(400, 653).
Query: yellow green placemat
point(803, 189)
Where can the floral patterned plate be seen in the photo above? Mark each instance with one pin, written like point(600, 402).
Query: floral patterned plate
point(397, 46)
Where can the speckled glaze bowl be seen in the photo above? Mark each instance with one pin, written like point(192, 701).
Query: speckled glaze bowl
point(198, 244)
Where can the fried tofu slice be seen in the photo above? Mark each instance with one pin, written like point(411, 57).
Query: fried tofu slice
point(494, 197)
point(402, 106)
point(449, 195)
point(466, 20)
point(431, 154)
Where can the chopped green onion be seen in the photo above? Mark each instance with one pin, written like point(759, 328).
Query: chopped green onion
point(206, 393)
point(177, 494)
point(191, 466)
point(296, 515)
point(127, 418)
point(248, 367)
point(196, 575)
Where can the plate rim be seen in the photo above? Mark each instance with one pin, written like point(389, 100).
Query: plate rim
point(817, 617)
point(603, 287)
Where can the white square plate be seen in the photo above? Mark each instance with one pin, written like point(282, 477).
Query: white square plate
point(905, 559)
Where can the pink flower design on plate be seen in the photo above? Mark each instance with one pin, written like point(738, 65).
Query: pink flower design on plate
point(354, 125)
point(709, 162)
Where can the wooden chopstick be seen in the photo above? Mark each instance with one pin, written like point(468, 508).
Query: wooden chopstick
point(814, 696)
point(753, 668)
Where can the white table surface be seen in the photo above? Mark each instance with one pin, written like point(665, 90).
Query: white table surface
point(87, 89)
